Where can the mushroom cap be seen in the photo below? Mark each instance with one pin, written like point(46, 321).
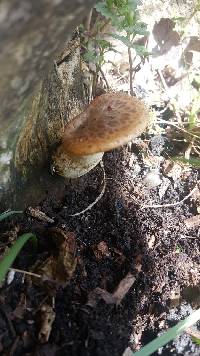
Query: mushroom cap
point(109, 121)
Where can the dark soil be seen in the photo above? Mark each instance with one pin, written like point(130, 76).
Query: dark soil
point(155, 238)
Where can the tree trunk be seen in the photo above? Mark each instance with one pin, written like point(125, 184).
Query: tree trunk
point(38, 95)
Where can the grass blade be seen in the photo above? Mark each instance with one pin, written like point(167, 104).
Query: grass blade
point(12, 253)
point(8, 213)
point(171, 334)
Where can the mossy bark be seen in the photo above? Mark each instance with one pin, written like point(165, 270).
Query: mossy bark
point(56, 100)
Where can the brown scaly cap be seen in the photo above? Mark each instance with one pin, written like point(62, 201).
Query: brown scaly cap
point(110, 120)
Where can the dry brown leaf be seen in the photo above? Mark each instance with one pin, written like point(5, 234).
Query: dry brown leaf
point(112, 298)
point(194, 44)
point(119, 258)
point(192, 222)
point(164, 35)
point(172, 169)
point(61, 266)
point(39, 215)
point(101, 250)
point(46, 322)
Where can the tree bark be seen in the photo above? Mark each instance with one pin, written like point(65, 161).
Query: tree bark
point(40, 89)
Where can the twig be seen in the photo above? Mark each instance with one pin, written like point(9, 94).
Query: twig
point(131, 71)
point(38, 214)
point(188, 149)
point(137, 68)
point(98, 198)
point(165, 86)
point(172, 204)
point(161, 121)
point(182, 237)
point(25, 272)
point(88, 20)
point(163, 82)
point(104, 78)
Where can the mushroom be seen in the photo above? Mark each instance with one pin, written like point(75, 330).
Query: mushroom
point(109, 121)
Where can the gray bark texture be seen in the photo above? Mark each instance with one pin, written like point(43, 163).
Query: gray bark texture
point(40, 90)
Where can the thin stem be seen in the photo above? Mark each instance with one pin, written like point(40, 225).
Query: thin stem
point(88, 20)
point(131, 70)
point(104, 78)
point(25, 272)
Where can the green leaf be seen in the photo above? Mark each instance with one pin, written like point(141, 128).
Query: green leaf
point(91, 57)
point(171, 334)
point(103, 43)
point(140, 28)
point(123, 39)
point(196, 340)
point(12, 253)
point(8, 213)
point(193, 162)
point(192, 118)
point(141, 50)
point(178, 18)
point(105, 11)
point(132, 3)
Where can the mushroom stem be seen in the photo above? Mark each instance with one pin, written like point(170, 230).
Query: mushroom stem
point(70, 166)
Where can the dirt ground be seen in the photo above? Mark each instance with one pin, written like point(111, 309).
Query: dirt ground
point(144, 261)
point(109, 280)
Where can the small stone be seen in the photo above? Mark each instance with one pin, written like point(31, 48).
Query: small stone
point(152, 179)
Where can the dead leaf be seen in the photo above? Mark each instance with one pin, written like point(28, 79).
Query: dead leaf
point(47, 318)
point(194, 44)
point(101, 250)
point(172, 170)
point(123, 287)
point(61, 266)
point(112, 298)
point(174, 297)
point(165, 36)
point(120, 258)
point(38, 214)
point(192, 222)
point(20, 309)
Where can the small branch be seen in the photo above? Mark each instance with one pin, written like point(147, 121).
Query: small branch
point(163, 82)
point(161, 121)
point(172, 204)
point(38, 214)
point(25, 272)
point(104, 78)
point(88, 20)
point(131, 70)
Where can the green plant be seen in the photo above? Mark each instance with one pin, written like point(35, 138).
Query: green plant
point(193, 162)
point(171, 334)
point(195, 340)
point(123, 15)
point(8, 213)
point(12, 253)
